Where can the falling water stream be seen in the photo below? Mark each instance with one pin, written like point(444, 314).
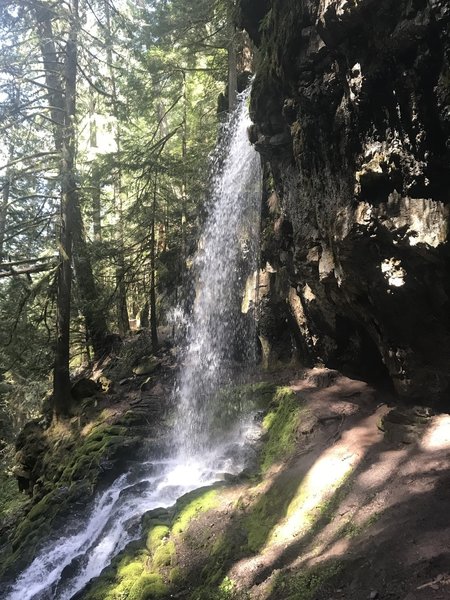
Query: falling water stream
point(217, 334)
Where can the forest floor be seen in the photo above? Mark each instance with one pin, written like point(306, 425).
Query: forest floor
point(351, 501)
point(366, 501)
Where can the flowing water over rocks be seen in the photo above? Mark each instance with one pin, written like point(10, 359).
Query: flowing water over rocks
point(217, 334)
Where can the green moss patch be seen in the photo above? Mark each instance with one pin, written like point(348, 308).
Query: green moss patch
point(307, 584)
point(149, 568)
point(281, 424)
point(191, 506)
point(270, 508)
point(70, 470)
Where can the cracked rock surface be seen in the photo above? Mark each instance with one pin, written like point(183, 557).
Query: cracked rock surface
point(351, 105)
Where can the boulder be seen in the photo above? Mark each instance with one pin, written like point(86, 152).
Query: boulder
point(85, 388)
point(147, 365)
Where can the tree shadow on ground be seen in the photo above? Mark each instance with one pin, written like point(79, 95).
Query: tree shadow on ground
point(330, 541)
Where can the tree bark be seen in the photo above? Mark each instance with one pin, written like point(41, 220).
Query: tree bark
point(153, 317)
point(123, 319)
point(65, 138)
point(61, 80)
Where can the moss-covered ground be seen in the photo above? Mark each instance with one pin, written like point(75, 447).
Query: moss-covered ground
point(300, 526)
point(194, 545)
point(71, 457)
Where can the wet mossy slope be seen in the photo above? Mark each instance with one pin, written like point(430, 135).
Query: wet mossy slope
point(68, 461)
point(318, 514)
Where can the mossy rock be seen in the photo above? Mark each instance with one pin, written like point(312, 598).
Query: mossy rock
point(147, 365)
point(156, 536)
point(164, 555)
point(192, 505)
point(148, 587)
point(70, 470)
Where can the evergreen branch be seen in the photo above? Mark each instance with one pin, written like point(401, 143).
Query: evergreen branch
point(29, 157)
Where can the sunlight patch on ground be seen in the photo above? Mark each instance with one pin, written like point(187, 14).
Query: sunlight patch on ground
point(437, 437)
point(324, 479)
point(320, 484)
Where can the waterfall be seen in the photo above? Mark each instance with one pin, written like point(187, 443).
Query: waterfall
point(218, 333)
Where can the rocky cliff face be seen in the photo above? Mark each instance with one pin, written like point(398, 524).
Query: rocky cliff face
point(351, 105)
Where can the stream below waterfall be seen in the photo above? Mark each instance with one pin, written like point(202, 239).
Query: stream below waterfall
point(216, 331)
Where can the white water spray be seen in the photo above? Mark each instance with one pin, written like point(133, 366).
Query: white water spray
point(217, 332)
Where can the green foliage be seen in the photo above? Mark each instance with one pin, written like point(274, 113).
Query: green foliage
point(140, 166)
point(11, 500)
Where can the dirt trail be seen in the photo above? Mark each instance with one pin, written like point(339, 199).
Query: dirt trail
point(369, 510)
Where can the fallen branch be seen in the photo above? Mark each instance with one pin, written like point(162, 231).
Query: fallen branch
point(27, 271)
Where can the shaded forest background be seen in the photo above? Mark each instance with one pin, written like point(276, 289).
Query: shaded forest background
point(109, 114)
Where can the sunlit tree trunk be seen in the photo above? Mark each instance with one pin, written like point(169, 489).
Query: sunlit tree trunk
point(153, 316)
point(61, 76)
point(123, 321)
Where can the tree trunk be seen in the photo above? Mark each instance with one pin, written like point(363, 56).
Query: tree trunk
point(90, 303)
point(144, 316)
point(153, 319)
point(61, 82)
point(232, 60)
point(123, 320)
point(61, 379)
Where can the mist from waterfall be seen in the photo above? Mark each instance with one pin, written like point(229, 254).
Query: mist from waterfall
point(219, 334)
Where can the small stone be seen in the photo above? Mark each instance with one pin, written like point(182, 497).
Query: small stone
point(374, 595)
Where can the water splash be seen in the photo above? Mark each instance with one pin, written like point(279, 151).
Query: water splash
point(219, 332)
point(64, 567)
